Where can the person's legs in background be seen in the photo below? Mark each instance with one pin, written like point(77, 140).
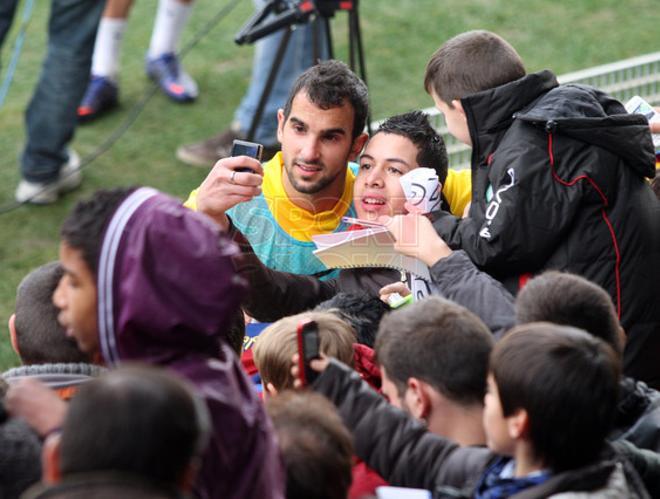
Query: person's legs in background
point(48, 168)
point(298, 57)
point(162, 64)
point(7, 11)
point(103, 92)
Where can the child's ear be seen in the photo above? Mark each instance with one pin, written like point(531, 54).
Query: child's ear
point(50, 459)
point(417, 399)
point(456, 104)
point(518, 424)
point(270, 389)
point(12, 333)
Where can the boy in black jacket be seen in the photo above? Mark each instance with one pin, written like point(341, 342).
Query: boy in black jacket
point(552, 393)
point(558, 182)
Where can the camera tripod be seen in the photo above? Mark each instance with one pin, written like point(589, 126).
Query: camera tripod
point(287, 15)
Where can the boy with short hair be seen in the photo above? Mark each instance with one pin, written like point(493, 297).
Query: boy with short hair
point(277, 343)
point(557, 171)
point(571, 300)
point(316, 446)
point(433, 357)
point(551, 397)
point(273, 350)
point(40, 341)
point(97, 453)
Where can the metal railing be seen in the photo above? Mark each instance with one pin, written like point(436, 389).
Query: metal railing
point(622, 80)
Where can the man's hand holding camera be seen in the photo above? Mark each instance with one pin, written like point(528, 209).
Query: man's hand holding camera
point(228, 184)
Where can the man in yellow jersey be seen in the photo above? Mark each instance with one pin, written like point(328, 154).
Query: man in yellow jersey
point(305, 189)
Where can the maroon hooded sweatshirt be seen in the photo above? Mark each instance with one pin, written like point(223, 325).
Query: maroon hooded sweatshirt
point(166, 292)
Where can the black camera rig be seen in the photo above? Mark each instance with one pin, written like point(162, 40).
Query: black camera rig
point(285, 15)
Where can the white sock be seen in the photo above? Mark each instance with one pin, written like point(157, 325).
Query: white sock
point(171, 18)
point(107, 48)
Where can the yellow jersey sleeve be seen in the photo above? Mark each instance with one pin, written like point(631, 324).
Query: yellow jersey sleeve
point(458, 190)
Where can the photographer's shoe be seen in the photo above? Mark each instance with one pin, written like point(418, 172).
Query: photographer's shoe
point(102, 95)
point(172, 79)
point(69, 178)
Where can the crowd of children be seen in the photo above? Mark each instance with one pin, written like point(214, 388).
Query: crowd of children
point(525, 366)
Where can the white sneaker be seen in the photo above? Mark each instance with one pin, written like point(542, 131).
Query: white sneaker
point(69, 178)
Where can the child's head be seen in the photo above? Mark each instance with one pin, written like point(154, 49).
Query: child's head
point(415, 126)
point(400, 145)
point(438, 343)
point(554, 390)
point(277, 343)
point(80, 247)
point(570, 300)
point(133, 288)
point(104, 418)
point(37, 336)
point(468, 63)
point(363, 312)
point(316, 446)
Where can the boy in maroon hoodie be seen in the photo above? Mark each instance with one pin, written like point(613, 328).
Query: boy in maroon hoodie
point(148, 280)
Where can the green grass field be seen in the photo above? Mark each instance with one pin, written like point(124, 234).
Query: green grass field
point(399, 36)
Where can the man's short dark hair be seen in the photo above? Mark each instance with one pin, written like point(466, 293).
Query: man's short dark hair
point(415, 127)
point(471, 62)
point(567, 381)
point(39, 336)
point(316, 446)
point(440, 343)
point(363, 312)
point(329, 84)
point(83, 228)
point(137, 420)
point(569, 300)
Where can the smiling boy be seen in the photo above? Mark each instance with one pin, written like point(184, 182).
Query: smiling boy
point(403, 143)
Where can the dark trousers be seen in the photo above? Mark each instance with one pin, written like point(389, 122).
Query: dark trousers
point(51, 116)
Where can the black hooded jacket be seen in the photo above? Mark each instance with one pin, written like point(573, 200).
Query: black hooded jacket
point(558, 182)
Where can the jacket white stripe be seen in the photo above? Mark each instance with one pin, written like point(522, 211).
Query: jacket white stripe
point(111, 241)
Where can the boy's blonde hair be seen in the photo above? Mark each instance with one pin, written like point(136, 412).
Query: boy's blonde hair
point(277, 343)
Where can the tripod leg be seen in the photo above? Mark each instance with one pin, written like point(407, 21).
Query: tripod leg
point(277, 61)
point(351, 42)
point(354, 31)
point(328, 36)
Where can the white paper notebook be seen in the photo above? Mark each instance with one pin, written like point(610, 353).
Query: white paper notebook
point(370, 247)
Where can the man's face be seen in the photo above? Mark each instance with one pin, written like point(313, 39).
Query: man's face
point(316, 145)
point(455, 118)
point(495, 424)
point(377, 189)
point(75, 296)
